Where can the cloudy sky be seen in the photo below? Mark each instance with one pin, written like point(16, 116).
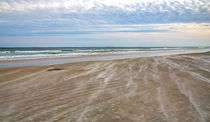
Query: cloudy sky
point(104, 23)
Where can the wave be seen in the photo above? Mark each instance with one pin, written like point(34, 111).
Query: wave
point(13, 53)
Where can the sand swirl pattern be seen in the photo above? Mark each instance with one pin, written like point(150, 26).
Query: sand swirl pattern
point(165, 88)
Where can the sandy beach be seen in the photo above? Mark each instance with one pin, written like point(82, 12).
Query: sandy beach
point(163, 88)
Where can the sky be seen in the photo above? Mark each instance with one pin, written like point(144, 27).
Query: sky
point(116, 23)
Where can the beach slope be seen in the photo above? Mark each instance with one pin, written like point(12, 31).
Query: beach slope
point(163, 88)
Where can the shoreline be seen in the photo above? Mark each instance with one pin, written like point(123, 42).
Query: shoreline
point(96, 57)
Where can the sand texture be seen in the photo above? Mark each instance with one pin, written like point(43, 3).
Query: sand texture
point(153, 89)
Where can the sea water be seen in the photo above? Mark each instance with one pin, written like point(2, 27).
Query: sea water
point(45, 52)
point(79, 52)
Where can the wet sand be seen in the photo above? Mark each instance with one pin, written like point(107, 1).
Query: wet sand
point(165, 88)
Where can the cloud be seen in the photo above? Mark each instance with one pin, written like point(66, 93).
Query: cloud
point(183, 38)
point(72, 13)
point(85, 5)
point(100, 29)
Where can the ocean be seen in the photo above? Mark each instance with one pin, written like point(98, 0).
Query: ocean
point(15, 53)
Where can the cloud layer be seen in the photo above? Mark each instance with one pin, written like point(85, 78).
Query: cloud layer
point(109, 11)
point(98, 18)
point(89, 5)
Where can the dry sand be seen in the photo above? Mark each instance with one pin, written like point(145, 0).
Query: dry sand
point(167, 88)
